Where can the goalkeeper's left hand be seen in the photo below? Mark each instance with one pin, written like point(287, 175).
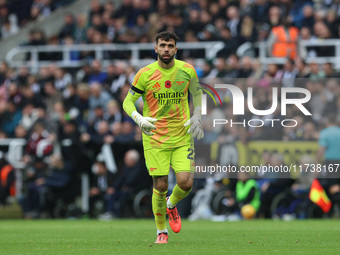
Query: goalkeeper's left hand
point(196, 128)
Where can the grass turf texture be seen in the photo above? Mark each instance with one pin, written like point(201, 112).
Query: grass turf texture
point(137, 237)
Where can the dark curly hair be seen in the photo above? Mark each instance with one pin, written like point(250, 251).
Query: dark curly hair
point(166, 36)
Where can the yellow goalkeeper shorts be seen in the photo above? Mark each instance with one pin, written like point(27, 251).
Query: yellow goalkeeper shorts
point(181, 159)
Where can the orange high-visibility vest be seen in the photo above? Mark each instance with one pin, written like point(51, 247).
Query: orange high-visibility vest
point(285, 46)
point(4, 174)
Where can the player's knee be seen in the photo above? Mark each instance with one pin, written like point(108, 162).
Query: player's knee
point(160, 183)
point(161, 186)
point(186, 185)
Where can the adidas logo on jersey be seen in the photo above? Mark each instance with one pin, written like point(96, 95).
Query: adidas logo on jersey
point(156, 86)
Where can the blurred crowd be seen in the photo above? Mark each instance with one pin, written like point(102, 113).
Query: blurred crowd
point(68, 115)
point(14, 14)
point(233, 22)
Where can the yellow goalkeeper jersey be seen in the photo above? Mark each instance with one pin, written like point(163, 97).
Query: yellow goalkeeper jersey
point(165, 96)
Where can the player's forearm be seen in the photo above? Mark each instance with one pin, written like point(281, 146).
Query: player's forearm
point(196, 92)
point(129, 103)
point(197, 100)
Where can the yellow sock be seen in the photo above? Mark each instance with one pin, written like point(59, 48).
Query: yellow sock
point(159, 208)
point(177, 195)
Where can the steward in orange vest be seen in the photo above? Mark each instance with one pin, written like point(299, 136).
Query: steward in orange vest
point(7, 180)
point(285, 42)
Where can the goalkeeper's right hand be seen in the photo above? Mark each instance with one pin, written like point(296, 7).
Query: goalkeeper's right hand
point(145, 123)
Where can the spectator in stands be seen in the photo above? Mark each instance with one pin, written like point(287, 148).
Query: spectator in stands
point(82, 104)
point(102, 189)
point(15, 95)
point(97, 23)
point(32, 204)
point(22, 76)
point(309, 51)
point(315, 72)
point(219, 70)
point(302, 68)
point(101, 135)
point(141, 27)
point(52, 96)
point(246, 67)
point(21, 9)
point(248, 32)
point(273, 184)
point(20, 132)
point(95, 8)
point(97, 75)
point(31, 94)
point(308, 16)
point(304, 180)
point(98, 96)
point(309, 132)
point(289, 74)
point(120, 79)
point(9, 27)
point(322, 32)
point(230, 43)
point(283, 40)
point(132, 179)
point(233, 23)
point(79, 33)
point(99, 115)
point(47, 8)
point(69, 137)
point(114, 112)
point(58, 182)
point(332, 94)
point(68, 27)
point(128, 132)
point(333, 22)
point(34, 13)
point(7, 179)
point(294, 133)
point(116, 129)
point(329, 71)
point(3, 70)
point(273, 74)
point(29, 116)
point(61, 79)
point(260, 11)
point(36, 38)
point(3, 12)
point(39, 143)
point(232, 67)
point(71, 98)
point(297, 11)
point(10, 118)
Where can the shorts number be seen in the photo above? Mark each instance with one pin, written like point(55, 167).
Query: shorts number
point(190, 155)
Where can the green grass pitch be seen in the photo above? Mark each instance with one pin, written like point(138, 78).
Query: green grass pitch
point(200, 237)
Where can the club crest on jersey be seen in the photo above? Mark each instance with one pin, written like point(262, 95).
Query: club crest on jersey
point(168, 84)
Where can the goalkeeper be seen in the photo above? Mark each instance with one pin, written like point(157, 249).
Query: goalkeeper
point(168, 130)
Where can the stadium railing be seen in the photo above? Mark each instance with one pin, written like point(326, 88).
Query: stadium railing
point(15, 56)
point(259, 49)
point(262, 48)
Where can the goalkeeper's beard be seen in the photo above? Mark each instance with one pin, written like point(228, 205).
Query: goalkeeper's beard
point(166, 61)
